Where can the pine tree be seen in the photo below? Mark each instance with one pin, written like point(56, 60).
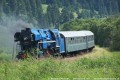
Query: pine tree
point(65, 15)
point(53, 14)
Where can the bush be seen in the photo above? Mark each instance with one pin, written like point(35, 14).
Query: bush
point(106, 30)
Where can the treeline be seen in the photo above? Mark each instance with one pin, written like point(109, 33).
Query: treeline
point(47, 13)
point(106, 30)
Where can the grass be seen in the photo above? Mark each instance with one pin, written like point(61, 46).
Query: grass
point(98, 64)
point(5, 57)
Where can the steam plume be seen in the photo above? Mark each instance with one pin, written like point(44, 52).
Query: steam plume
point(8, 26)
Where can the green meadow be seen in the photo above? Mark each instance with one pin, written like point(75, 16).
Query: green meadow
point(100, 63)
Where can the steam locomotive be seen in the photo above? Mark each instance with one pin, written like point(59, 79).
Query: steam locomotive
point(46, 42)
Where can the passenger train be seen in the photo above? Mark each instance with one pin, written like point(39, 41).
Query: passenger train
point(45, 42)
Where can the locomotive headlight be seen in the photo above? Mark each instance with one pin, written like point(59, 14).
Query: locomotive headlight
point(25, 38)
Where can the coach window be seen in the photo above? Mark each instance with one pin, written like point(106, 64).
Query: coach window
point(91, 38)
point(71, 40)
point(78, 39)
point(81, 40)
point(84, 39)
point(67, 40)
point(88, 38)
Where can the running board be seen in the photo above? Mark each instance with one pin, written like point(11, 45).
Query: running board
point(47, 42)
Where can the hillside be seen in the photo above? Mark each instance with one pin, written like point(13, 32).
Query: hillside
point(49, 13)
point(98, 64)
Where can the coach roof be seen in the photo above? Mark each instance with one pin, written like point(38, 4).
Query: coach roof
point(76, 33)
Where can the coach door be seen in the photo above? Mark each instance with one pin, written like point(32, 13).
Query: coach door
point(86, 42)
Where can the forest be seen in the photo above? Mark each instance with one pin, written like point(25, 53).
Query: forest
point(52, 13)
point(100, 16)
point(106, 30)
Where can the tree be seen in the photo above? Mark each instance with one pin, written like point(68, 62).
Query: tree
point(115, 44)
point(6, 8)
point(66, 15)
point(53, 14)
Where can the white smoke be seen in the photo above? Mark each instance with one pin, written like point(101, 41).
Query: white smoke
point(8, 26)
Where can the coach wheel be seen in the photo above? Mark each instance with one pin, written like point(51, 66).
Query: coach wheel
point(90, 50)
point(21, 56)
point(49, 52)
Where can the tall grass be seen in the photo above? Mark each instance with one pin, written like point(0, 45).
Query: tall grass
point(47, 68)
point(5, 57)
